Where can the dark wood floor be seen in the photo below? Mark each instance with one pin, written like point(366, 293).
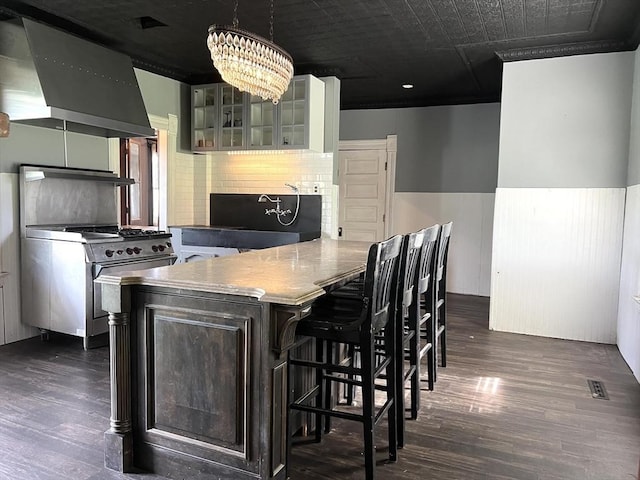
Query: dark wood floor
point(506, 407)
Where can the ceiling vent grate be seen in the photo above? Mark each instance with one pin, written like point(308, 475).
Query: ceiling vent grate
point(597, 389)
point(150, 22)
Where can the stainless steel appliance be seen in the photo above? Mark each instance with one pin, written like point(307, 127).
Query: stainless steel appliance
point(56, 80)
point(69, 237)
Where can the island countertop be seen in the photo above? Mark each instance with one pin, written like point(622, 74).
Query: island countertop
point(288, 275)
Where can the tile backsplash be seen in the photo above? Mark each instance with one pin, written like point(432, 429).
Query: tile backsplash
point(263, 172)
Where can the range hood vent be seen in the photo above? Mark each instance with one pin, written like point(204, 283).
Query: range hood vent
point(49, 78)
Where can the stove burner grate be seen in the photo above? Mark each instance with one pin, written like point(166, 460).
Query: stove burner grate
point(93, 229)
point(139, 232)
point(127, 232)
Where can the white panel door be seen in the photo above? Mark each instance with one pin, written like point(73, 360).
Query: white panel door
point(362, 196)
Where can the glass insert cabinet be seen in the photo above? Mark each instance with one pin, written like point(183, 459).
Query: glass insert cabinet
point(204, 118)
point(223, 118)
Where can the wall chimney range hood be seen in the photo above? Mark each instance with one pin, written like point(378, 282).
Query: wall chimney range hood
point(49, 78)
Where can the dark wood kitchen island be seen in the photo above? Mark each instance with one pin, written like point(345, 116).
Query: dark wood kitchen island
point(198, 358)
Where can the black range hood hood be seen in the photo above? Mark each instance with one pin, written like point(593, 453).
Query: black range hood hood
point(49, 78)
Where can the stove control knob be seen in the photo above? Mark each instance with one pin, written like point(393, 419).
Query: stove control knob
point(154, 248)
point(169, 244)
point(136, 250)
point(109, 253)
point(129, 251)
point(161, 248)
point(120, 252)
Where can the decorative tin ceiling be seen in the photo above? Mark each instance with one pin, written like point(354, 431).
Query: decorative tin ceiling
point(451, 51)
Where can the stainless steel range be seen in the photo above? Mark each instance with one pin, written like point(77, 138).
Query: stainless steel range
point(69, 238)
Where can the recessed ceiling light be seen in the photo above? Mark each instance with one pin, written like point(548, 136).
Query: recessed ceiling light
point(407, 85)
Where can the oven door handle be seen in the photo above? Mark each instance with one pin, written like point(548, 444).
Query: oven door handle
point(98, 267)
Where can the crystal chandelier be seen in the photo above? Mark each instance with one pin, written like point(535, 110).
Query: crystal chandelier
point(249, 62)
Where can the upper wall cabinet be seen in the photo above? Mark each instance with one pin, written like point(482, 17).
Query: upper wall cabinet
point(301, 115)
point(223, 118)
point(204, 117)
point(232, 104)
point(262, 120)
point(217, 117)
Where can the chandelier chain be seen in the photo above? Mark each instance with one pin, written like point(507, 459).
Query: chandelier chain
point(271, 22)
point(235, 15)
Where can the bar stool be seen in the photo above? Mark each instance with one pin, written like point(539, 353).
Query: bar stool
point(440, 293)
point(424, 318)
point(415, 330)
point(368, 322)
point(407, 331)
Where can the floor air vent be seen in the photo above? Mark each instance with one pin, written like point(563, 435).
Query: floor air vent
point(597, 389)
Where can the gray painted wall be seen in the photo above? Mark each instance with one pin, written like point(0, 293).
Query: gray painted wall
point(564, 133)
point(45, 146)
point(633, 175)
point(440, 149)
point(164, 96)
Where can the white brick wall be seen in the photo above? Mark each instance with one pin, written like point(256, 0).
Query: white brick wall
point(183, 193)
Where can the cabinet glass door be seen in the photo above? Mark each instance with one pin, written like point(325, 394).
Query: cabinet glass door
point(261, 122)
point(292, 114)
point(204, 118)
point(232, 117)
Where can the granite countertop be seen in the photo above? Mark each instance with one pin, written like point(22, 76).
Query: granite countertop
point(289, 275)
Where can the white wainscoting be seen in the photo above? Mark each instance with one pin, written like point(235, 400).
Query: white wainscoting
point(469, 267)
point(14, 329)
point(556, 262)
point(628, 307)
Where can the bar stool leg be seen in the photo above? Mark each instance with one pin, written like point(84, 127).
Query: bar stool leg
point(443, 336)
point(368, 399)
point(351, 353)
point(392, 392)
point(327, 387)
point(398, 402)
point(431, 367)
point(320, 357)
point(414, 359)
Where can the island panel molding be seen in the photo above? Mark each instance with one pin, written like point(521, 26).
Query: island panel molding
point(196, 378)
point(186, 402)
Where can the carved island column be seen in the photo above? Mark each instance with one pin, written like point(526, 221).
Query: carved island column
point(118, 448)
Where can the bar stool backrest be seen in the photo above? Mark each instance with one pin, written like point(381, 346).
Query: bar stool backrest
point(427, 258)
point(443, 249)
point(411, 248)
point(381, 280)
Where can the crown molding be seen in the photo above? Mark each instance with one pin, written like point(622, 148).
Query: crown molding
point(158, 69)
point(563, 50)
